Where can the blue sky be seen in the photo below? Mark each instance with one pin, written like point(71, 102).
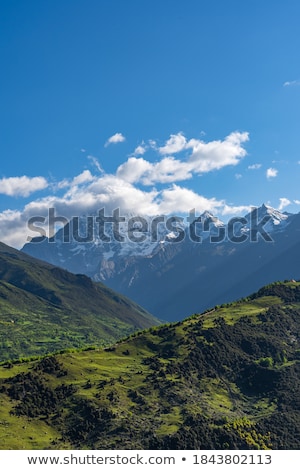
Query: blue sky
point(149, 106)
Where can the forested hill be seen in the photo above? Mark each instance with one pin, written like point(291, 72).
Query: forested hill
point(224, 379)
point(44, 308)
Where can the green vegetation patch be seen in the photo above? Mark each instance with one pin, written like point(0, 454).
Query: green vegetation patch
point(44, 309)
point(232, 385)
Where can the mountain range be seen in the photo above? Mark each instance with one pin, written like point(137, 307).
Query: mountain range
point(174, 267)
point(44, 309)
point(85, 367)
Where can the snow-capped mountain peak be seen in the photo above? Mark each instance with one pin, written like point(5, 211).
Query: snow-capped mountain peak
point(272, 218)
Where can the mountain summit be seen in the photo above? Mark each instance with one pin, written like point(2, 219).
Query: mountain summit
point(277, 220)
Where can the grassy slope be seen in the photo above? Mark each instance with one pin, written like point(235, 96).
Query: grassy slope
point(229, 378)
point(44, 309)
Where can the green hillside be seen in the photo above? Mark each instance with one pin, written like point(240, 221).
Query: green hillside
point(226, 379)
point(44, 309)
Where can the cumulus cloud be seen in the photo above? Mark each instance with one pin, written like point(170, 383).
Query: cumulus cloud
point(140, 150)
point(84, 177)
point(168, 170)
point(176, 143)
point(22, 185)
point(115, 139)
point(271, 173)
point(88, 196)
point(284, 202)
point(255, 166)
point(132, 170)
point(235, 210)
point(217, 154)
point(132, 187)
point(13, 228)
point(177, 199)
point(202, 158)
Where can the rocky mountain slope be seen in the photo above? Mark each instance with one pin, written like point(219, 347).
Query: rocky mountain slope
point(187, 267)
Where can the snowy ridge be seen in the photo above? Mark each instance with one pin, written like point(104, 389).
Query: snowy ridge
point(278, 221)
point(103, 249)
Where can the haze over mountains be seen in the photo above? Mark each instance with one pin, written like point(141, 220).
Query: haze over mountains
point(180, 268)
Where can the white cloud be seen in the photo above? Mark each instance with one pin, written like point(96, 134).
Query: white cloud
point(292, 83)
point(284, 202)
point(139, 150)
point(104, 191)
point(217, 154)
point(132, 170)
point(180, 200)
point(175, 144)
point(203, 157)
point(153, 144)
point(84, 177)
point(13, 228)
point(168, 170)
point(296, 201)
point(88, 193)
point(238, 176)
point(95, 163)
point(115, 139)
point(60, 185)
point(22, 185)
point(271, 173)
point(208, 156)
point(255, 166)
point(235, 210)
